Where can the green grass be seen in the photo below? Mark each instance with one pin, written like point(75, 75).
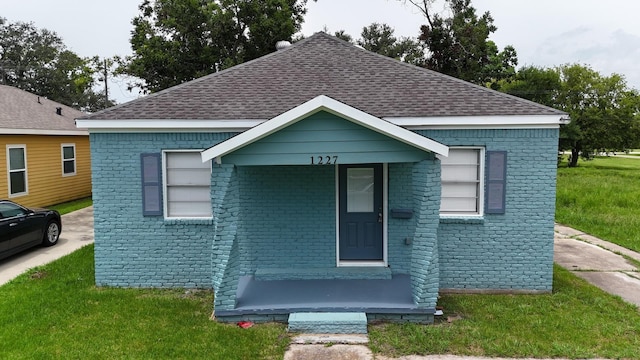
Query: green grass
point(56, 312)
point(70, 206)
point(576, 321)
point(601, 197)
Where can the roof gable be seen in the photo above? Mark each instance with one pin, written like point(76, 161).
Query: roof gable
point(322, 103)
point(322, 65)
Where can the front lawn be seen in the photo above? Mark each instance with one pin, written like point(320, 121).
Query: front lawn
point(56, 312)
point(577, 320)
point(602, 197)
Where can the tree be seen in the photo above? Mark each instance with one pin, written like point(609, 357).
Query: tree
point(603, 110)
point(36, 60)
point(380, 38)
point(459, 45)
point(174, 41)
point(541, 85)
point(341, 34)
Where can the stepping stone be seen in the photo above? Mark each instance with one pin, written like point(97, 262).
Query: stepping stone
point(328, 322)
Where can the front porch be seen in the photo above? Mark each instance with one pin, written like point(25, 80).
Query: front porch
point(273, 300)
point(301, 208)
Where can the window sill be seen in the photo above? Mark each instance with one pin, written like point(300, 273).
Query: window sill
point(462, 220)
point(188, 221)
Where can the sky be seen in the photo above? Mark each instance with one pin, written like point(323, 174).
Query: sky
point(603, 35)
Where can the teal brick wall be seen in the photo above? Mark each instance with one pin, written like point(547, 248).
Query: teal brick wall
point(399, 230)
point(288, 217)
point(136, 251)
point(285, 217)
point(513, 251)
point(424, 252)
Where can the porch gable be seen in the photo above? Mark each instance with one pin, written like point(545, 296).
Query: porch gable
point(324, 131)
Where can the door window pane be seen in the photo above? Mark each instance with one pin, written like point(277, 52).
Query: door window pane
point(360, 189)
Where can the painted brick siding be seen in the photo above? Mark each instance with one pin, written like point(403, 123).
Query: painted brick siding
point(136, 251)
point(512, 251)
point(225, 251)
point(400, 197)
point(424, 253)
point(288, 217)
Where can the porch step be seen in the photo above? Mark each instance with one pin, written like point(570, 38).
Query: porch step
point(334, 273)
point(328, 322)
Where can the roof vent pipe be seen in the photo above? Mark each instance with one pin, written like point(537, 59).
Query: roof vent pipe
point(281, 45)
point(59, 110)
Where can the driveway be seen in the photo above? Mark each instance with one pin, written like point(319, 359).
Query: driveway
point(77, 231)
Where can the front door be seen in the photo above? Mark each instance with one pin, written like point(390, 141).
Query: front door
point(360, 208)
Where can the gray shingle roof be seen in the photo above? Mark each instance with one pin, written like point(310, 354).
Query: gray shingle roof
point(21, 110)
point(323, 65)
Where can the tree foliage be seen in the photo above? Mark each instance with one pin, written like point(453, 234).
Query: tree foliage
point(604, 111)
point(174, 41)
point(459, 45)
point(380, 39)
point(36, 60)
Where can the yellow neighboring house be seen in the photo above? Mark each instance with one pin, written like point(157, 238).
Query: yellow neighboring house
point(45, 157)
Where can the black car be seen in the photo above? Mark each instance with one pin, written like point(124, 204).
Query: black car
point(22, 228)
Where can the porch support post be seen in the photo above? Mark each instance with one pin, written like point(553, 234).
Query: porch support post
point(225, 258)
point(425, 271)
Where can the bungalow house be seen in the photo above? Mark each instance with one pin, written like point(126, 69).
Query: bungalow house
point(46, 158)
point(325, 178)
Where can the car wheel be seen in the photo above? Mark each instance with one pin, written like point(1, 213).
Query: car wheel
point(51, 233)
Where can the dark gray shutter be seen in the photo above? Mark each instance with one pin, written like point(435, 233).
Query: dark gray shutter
point(151, 184)
point(496, 182)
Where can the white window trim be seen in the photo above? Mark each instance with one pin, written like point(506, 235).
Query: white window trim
point(74, 159)
point(165, 202)
point(26, 173)
point(480, 212)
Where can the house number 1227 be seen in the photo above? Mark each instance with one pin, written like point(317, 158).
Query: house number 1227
point(324, 160)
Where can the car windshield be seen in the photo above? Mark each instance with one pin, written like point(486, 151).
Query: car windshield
point(8, 210)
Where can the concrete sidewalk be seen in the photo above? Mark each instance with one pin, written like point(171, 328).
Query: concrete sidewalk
point(599, 262)
point(77, 231)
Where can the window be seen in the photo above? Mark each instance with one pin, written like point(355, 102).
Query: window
point(8, 210)
point(68, 159)
point(17, 169)
point(187, 185)
point(462, 184)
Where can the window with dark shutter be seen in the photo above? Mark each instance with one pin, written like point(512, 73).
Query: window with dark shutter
point(151, 184)
point(496, 182)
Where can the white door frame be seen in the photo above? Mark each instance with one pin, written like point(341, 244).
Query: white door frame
point(385, 205)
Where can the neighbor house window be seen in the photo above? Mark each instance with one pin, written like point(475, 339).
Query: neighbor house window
point(462, 182)
point(187, 185)
point(68, 159)
point(17, 169)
